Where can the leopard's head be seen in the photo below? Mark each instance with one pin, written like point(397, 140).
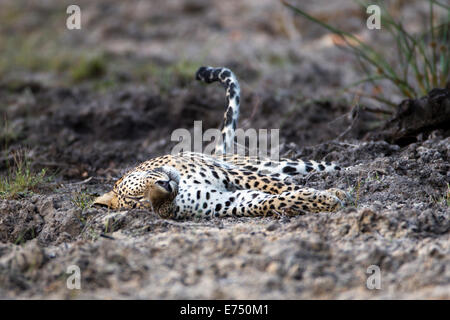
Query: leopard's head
point(162, 191)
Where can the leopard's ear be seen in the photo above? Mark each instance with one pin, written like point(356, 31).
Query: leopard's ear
point(109, 200)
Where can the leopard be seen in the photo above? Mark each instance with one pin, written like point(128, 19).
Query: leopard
point(223, 184)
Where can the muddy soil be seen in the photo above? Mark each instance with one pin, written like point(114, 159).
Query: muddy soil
point(87, 134)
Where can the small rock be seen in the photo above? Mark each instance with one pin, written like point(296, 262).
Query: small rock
point(273, 226)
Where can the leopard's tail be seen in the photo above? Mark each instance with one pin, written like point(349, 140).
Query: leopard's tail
point(228, 79)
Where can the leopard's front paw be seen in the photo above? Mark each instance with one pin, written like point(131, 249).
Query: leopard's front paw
point(344, 197)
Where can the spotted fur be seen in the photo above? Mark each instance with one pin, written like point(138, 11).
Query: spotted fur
point(193, 184)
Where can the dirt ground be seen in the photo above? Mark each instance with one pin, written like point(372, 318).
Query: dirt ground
point(89, 104)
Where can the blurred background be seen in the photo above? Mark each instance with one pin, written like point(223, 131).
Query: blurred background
point(127, 74)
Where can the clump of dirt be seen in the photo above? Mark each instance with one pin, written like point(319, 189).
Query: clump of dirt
point(416, 117)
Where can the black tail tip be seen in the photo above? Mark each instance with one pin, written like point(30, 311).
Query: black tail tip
point(202, 73)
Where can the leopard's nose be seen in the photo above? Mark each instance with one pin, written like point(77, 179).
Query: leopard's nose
point(165, 184)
